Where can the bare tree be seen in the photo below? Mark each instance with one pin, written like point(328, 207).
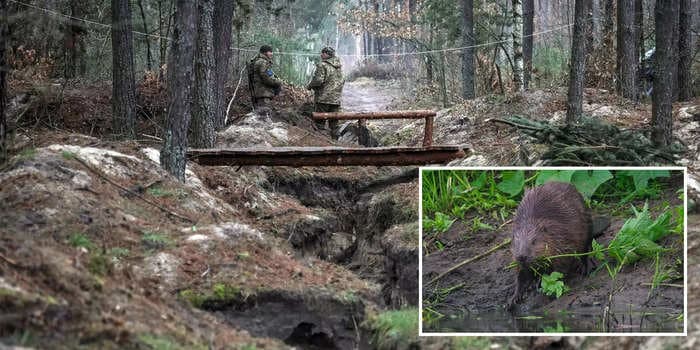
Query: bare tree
point(4, 68)
point(528, 25)
point(74, 48)
point(180, 79)
point(123, 84)
point(468, 53)
point(223, 24)
point(685, 60)
point(146, 39)
point(517, 44)
point(577, 72)
point(626, 50)
point(666, 21)
point(204, 82)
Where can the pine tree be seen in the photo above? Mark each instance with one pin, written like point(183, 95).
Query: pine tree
point(468, 53)
point(123, 84)
point(577, 72)
point(180, 80)
point(685, 59)
point(666, 21)
point(223, 24)
point(528, 25)
point(626, 50)
point(204, 82)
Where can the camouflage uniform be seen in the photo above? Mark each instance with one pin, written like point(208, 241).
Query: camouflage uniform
point(264, 84)
point(327, 84)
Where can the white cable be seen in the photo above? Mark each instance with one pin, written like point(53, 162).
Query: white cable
point(82, 19)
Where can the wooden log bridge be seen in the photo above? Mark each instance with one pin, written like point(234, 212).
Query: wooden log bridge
point(363, 116)
point(326, 156)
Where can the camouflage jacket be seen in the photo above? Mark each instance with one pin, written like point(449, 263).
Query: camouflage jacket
point(328, 81)
point(262, 79)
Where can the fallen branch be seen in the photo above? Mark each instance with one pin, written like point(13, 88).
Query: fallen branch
point(228, 109)
point(520, 126)
point(503, 244)
point(166, 210)
point(663, 284)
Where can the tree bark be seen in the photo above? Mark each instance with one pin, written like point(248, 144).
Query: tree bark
point(4, 69)
point(666, 21)
point(146, 38)
point(685, 51)
point(123, 85)
point(74, 43)
point(180, 79)
point(626, 50)
point(468, 53)
point(517, 44)
point(577, 72)
point(639, 27)
point(528, 27)
point(204, 81)
point(608, 24)
point(223, 24)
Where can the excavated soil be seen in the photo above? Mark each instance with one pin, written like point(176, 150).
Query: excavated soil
point(473, 297)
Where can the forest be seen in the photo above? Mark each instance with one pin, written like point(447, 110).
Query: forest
point(243, 174)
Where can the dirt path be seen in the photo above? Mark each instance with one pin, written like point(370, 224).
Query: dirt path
point(364, 95)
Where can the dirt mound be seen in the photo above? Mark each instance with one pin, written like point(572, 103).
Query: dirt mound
point(103, 249)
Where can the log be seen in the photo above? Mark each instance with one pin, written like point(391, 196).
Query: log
point(326, 156)
point(375, 115)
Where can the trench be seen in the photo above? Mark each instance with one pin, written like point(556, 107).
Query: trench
point(351, 218)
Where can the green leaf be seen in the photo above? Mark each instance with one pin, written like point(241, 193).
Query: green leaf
point(553, 285)
point(588, 181)
point(641, 177)
point(513, 182)
point(554, 175)
point(636, 239)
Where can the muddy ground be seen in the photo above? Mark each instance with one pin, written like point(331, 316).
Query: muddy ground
point(102, 249)
point(473, 297)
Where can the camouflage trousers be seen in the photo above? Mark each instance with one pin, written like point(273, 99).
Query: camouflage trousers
point(332, 123)
point(262, 105)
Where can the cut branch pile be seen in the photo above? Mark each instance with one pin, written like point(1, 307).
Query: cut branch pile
point(594, 142)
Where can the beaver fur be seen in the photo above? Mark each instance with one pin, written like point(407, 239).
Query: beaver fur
point(551, 219)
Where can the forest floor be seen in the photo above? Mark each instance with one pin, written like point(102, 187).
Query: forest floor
point(102, 249)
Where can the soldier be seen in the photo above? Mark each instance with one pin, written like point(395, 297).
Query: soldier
point(263, 83)
point(327, 85)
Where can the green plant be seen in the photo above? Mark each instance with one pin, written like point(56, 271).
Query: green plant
point(394, 329)
point(68, 155)
point(469, 343)
point(478, 225)
point(441, 223)
point(118, 252)
point(636, 239)
point(99, 265)
point(154, 240)
point(27, 154)
point(80, 240)
point(553, 285)
point(559, 328)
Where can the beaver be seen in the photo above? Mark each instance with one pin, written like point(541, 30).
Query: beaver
point(551, 219)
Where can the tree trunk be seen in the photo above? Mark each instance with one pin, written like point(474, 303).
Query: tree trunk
point(626, 50)
point(204, 81)
point(468, 53)
point(223, 24)
point(4, 69)
point(180, 79)
point(74, 43)
point(685, 89)
point(123, 85)
point(577, 73)
point(146, 38)
point(608, 24)
point(666, 21)
point(639, 26)
point(517, 44)
point(528, 25)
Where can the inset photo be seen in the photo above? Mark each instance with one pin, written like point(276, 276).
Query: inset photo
point(553, 250)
